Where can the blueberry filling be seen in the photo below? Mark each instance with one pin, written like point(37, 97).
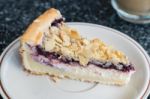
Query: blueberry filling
point(52, 55)
point(124, 67)
point(57, 21)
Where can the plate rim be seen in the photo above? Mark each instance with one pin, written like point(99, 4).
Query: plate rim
point(146, 91)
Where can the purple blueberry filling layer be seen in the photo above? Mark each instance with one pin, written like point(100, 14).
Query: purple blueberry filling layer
point(50, 56)
point(57, 21)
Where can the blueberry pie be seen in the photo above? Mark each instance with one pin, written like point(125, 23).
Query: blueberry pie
point(50, 47)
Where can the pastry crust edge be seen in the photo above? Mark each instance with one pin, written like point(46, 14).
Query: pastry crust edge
point(35, 31)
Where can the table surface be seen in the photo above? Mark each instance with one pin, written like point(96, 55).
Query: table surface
point(16, 15)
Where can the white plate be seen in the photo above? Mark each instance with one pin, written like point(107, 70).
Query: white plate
point(18, 84)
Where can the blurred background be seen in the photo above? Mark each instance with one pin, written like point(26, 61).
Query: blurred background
point(16, 15)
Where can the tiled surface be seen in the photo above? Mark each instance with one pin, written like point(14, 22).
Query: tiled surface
point(15, 16)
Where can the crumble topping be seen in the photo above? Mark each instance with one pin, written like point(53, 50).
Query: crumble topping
point(67, 42)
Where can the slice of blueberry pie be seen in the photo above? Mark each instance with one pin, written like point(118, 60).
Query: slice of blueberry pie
point(50, 47)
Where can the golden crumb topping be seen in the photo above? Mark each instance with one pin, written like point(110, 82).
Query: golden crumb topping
point(67, 42)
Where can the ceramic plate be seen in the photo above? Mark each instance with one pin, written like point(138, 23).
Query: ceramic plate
point(18, 84)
